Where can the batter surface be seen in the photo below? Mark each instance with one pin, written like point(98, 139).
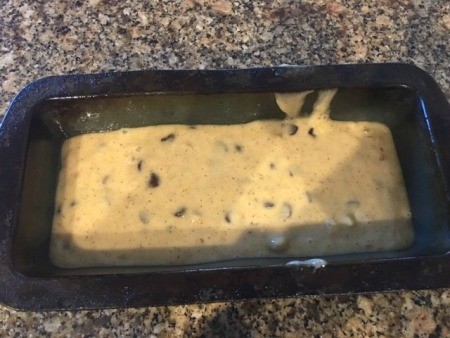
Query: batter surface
point(178, 194)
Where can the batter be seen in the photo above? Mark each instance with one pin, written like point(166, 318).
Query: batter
point(179, 194)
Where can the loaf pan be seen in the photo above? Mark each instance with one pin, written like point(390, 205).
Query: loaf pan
point(51, 109)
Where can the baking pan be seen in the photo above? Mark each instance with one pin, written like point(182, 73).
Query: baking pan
point(51, 109)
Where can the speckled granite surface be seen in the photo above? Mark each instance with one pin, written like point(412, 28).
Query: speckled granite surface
point(47, 38)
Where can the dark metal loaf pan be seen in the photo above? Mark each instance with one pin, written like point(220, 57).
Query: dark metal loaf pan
point(47, 111)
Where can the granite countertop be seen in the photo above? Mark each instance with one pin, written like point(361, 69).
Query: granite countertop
point(64, 37)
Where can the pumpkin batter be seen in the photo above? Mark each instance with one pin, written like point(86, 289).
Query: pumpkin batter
point(179, 194)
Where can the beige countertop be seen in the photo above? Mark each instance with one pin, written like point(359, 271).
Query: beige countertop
point(65, 37)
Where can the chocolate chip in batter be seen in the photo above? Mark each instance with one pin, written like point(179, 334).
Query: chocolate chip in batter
point(311, 132)
point(228, 217)
point(353, 203)
point(154, 180)
point(277, 243)
point(269, 204)
point(292, 129)
point(288, 128)
point(139, 165)
point(59, 209)
point(238, 148)
point(180, 212)
point(286, 210)
point(350, 219)
point(169, 138)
